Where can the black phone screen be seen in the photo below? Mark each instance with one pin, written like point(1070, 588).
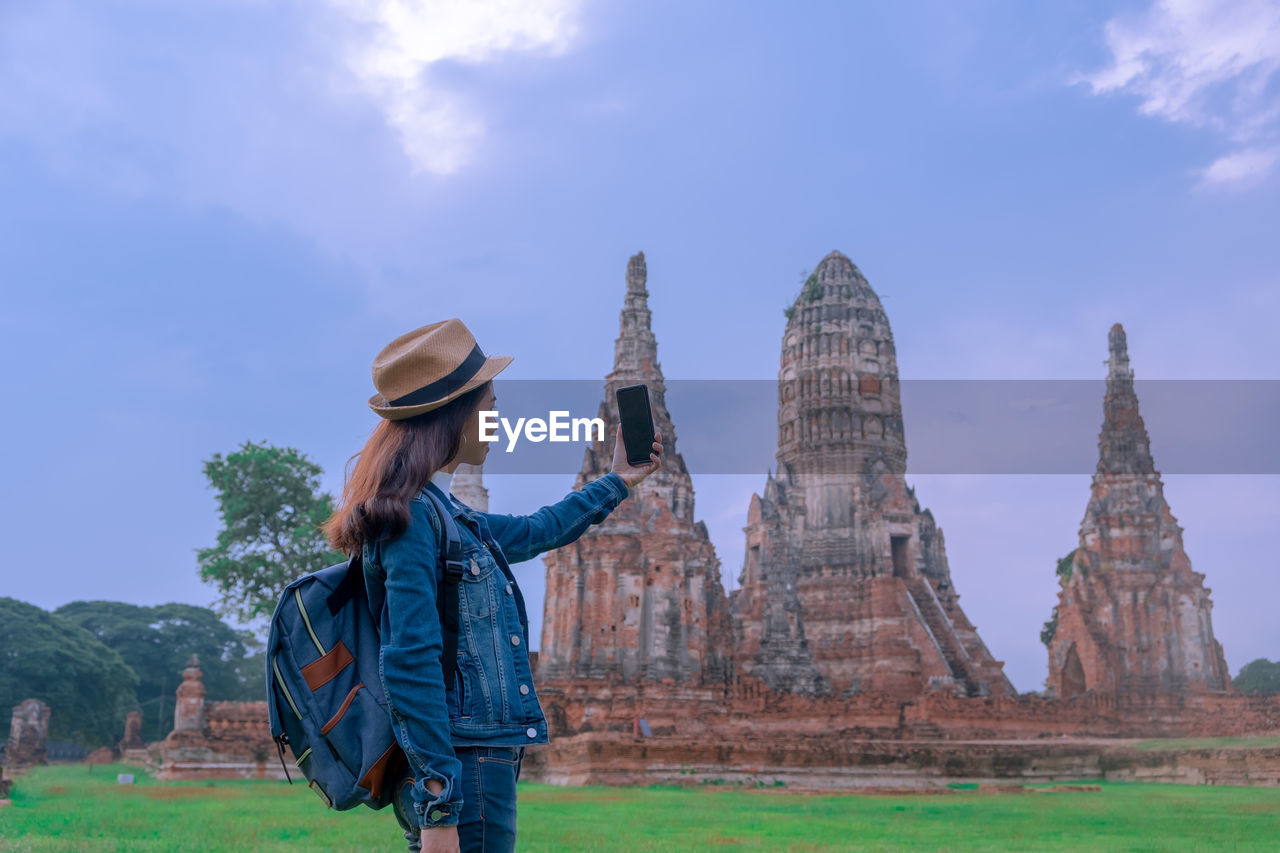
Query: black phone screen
point(637, 423)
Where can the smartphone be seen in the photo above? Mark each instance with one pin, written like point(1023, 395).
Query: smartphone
point(637, 422)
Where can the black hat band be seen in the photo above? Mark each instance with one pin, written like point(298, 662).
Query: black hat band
point(445, 385)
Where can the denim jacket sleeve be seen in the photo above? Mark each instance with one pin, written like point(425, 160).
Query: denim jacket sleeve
point(412, 643)
point(523, 537)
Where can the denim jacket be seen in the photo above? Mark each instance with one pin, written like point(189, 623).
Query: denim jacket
point(491, 701)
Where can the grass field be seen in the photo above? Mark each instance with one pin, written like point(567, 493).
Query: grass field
point(1209, 743)
point(68, 807)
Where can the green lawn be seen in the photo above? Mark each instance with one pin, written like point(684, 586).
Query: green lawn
point(1209, 743)
point(70, 808)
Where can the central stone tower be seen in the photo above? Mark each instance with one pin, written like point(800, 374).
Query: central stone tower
point(845, 585)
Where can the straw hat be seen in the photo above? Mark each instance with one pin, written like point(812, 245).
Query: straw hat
point(426, 368)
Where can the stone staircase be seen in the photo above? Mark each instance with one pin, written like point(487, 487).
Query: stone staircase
point(944, 635)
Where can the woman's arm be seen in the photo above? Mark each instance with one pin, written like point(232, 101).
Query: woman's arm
point(411, 676)
point(523, 537)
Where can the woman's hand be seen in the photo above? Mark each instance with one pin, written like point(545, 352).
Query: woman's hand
point(633, 474)
point(440, 839)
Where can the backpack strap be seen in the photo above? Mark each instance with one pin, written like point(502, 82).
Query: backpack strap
point(447, 593)
point(352, 586)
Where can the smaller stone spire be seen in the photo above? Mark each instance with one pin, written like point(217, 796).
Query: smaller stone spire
point(1118, 363)
point(637, 274)
point(1124, 446)
point(188, 714)
point(1132, 617)
point(635, 361)
point(639, 597)
point(636, 350)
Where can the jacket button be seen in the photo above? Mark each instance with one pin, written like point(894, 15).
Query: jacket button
point(475, 570)
point(436, 814)
point(508, 589)
point(531, 731)
point(515, 639)
point(524, 690)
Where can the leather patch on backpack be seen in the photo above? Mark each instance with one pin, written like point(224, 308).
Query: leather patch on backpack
point(387, 764)
point(326, 668)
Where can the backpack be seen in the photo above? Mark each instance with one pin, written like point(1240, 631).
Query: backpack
point(324, 692)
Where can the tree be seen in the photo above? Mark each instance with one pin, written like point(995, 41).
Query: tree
point(1050, 628)
point(1063, 571)
point(87, 686)
point(1065, 566)
point(1259, 676)
point(272, 510)
point(156, 642)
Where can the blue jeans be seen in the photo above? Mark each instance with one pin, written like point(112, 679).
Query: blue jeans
point(488, 820)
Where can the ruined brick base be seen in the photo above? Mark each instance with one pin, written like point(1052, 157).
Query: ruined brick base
point(750, 735)
point(748, 709)
point(836, 763)
point(235, 744)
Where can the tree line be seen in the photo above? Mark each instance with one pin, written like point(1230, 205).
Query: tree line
point(93, 662)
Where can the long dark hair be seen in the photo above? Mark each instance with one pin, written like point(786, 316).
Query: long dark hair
point(393, 466)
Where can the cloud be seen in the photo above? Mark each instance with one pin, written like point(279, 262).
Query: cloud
point(295, 113)
point(397, 42)
point(1208, 64)
point(1241, 167)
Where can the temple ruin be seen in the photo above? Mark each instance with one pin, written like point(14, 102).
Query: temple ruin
point(28, 733)
point(215, 740)
point(847, 623)
point(845, 586)
point(639, 598)
point(1132, 618)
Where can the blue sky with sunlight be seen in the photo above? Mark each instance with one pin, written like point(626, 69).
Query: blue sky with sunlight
point(213, 215)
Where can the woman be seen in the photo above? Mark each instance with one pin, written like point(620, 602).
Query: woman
point(463, 736)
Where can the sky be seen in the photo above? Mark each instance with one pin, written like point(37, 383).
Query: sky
point(214, 214)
